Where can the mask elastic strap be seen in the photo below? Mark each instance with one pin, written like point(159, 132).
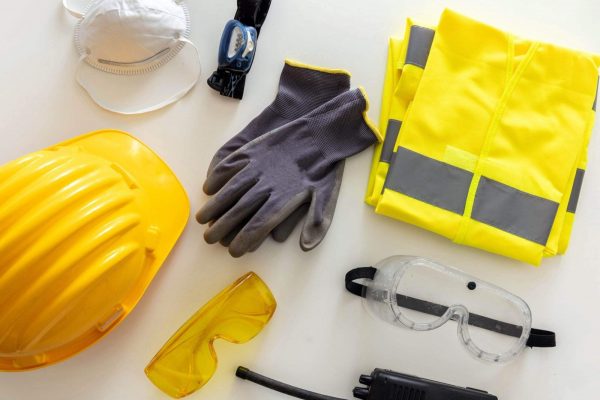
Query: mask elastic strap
point(172, 99)
point(537, 337)
point(73, 10)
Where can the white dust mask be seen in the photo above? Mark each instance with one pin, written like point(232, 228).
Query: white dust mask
point(135, 55)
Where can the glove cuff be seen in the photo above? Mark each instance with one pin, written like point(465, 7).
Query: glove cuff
point(348, 130)
point(302, 88)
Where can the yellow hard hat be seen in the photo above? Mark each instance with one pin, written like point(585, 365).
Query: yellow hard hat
point(84, 227)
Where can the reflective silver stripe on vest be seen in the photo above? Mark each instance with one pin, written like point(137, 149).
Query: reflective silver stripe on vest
point(595, 98)
point(576, 191)
point(522, 214)
point(429, 180)
point(419, 45)
point(391, 134)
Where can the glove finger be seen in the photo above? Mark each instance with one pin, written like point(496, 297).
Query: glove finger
point(226, 241)
point(261, 124)
point(258, 244)
point(250, 203)
point(271, 214)
point(279, 234)
point(283, 231)
point(225, 151)
point(227, 197)
point(217, 158)
point(223, 172)
point(321, 211)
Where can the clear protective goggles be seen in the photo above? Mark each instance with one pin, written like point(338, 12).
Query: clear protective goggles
point(413, 292)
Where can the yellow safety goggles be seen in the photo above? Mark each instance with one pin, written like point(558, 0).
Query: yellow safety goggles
point(188, 360)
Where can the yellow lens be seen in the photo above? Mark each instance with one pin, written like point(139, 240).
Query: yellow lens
point(237, 314)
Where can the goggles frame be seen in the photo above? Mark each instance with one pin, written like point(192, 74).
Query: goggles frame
point(526, 335)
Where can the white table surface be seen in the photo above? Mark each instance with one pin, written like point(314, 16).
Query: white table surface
point(321, 337)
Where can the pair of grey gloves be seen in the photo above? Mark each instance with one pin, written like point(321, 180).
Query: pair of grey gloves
point(287, 164)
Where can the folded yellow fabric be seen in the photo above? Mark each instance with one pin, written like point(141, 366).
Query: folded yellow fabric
point(492, 149)
point(406, 60)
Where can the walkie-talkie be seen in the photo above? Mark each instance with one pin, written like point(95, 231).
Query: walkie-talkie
point(380, 385)
point(390, 385)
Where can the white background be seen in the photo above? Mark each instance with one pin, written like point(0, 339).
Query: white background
point(321, 337)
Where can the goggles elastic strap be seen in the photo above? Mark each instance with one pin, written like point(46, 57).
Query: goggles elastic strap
point(359, 273)
point(537, 337)
point(541, 338)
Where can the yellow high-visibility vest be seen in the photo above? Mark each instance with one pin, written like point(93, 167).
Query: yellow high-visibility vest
point(486, 137)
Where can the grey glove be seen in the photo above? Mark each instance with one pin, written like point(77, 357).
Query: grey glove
point(302, 88)
point(266, 180)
